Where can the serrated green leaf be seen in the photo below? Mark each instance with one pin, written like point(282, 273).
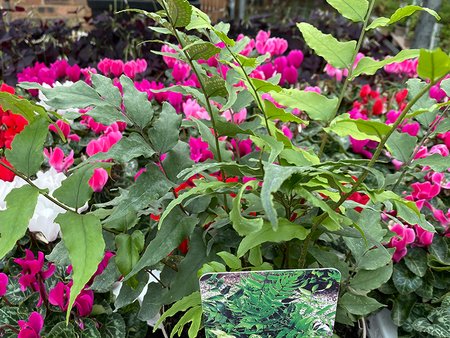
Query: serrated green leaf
point(83, 238)
point(370, 66)
point(20, 205)
point(149, 187)
point(185, 303)
point(138, 108)
point(286, 231)
point(105, 87)
point(243, 225)
point(359, 305)
point(423, 103)
point(359, 129)
point(126, 149)
point(179, 12)
point(214, 86)
point(29, 110)
point(400, 14)
point(164, 133)
point(75, 190)
point(401, 145)
point(433, 64)
point(354, 10)
point(318, 107)
point(202, 51)
point(278, 114)
point(338, 54)
point(128, 249)
point(177, 228)
point(26, 153)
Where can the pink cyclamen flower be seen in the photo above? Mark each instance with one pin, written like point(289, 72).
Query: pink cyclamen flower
point(244, 147)
point(31, 328)
point(3, 284)
point(404, 236)
point(425, 190)
point(237, 118)
point(60, 295)
point(104, 66)
point(295, 58)
point(192, 109)
point(73, 72)
point(58, 160)
point(423, 237)
point(290, 75)
point(411, 128)
point(32, 274)
point(170, 62)
point(287, 132)
point(180, 71)
point(64, 127)
point(116, 67)
point(199, 150)
point(99, 179)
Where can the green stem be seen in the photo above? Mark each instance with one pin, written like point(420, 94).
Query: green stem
point(364, 174)
point(350, 73)
point(421, 143)
point(42, 192)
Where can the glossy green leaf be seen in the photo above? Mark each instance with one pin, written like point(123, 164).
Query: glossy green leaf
point(358, 304)
point(359, 129)
point(416, 261)
point(286, 231)
point(370, 66)
point(26, 153)
point(83, 238)
point(423, 103)
point(177, 160)
point(371, 279)
point(128, 249)
point(230, 260)
point(20, 205)
point(63, 330)
point(354, 10)
point(436, 162)
point(400, 14)
point(75, 190)
point(241, 224)
point(374, 259)
point(138, 108)
point(318, 107)
point(433, 64)
point(114, 326)
point(214, 86)
point(279, 114)
point(338, 54)
point(445, 86)
point(404, 280)
point(164, 133)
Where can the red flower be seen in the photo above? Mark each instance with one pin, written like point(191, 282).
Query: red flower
point(377, 108)
point(359, 198)
point(6, 174)
point(401, 96)
point(365, 91)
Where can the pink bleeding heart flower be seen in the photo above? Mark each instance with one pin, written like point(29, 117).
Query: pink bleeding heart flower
point(199, 150)
point(58, 160)
point(99, 179)
point(3, 284)
point(31, 328)
point(404, 236)
point(33, 275)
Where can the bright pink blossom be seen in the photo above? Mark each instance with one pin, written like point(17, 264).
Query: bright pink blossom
point(64, 127)
point(33, 275)
point(265, 44)
point(31, 328)
point(58, 160)
point(199, 150)
point(425, 190)
point(423, 237)
point(290, 75)
point(116, 67)
point(404, 236)
point(99, 179)
point(411, 128)
point(60, 295)
point(192, 109)
point(180, 71)
point(170, 62)
point(103, 143)
point(295, 58)
point(237, 118)
point(287, 132)
point(3, 284)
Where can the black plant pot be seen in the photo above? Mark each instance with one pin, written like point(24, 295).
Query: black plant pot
point(100, 6)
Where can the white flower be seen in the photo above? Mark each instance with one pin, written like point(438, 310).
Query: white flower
point(43, 219)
